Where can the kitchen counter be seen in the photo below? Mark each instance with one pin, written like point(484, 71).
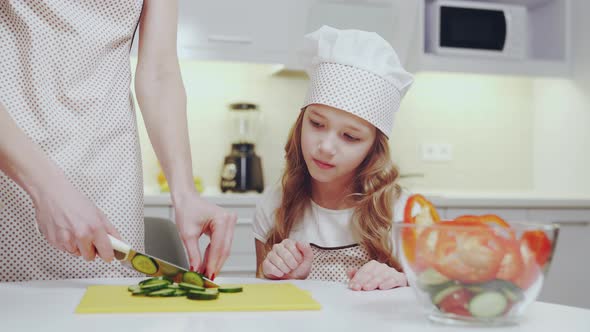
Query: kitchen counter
point(50, 306)
point(528, 199)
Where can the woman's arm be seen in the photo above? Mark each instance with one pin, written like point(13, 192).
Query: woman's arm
point(68, 220)
point(162, 99)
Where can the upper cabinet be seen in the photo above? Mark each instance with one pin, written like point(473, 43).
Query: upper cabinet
point(271, 31)
point(394, 20)
point(235, 30)
point(533, 37)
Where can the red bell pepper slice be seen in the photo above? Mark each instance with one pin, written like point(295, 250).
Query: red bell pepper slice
point(418, 211)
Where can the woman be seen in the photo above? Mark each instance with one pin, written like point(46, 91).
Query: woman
point(70, 163)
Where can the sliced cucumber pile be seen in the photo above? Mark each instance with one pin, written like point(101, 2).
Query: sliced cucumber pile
point(482, 300)
point(191, 287)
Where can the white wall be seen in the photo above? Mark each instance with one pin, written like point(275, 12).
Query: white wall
point(562, 119)
point(487, 119)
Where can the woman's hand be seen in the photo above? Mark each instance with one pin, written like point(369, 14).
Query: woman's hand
point(195, 217)
point(71, 222)
point(375, 275)
point(288, 260)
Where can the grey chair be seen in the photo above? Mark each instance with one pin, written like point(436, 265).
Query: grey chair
point(162, 241)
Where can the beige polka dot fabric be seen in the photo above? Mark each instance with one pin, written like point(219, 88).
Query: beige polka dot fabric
point(65, 79)
point(331, 264)
point(356, 91)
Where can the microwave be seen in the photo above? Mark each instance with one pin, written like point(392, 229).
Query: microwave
point(476, 28)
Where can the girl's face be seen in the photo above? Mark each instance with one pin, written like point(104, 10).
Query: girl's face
point(334, 142)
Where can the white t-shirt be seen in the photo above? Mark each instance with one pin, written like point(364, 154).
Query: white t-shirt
point(320, 226)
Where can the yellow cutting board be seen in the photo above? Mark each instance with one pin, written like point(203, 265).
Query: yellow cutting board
point(255, 297)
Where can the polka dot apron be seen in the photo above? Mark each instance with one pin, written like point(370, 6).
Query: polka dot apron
point(65, 80)
point(331, 264)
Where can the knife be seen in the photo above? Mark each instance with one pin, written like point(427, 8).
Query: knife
point(152, 266)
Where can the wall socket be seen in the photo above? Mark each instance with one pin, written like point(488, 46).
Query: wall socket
point(437, 152)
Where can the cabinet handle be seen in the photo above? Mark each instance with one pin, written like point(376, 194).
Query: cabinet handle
point(244, 221)
point(572, 223)
point(229, 39)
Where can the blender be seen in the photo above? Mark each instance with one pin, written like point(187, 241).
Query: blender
point(242, 168)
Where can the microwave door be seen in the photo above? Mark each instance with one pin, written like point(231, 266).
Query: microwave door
point(472, 29)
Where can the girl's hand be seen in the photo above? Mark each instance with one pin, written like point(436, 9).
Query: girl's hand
point(375, 275)
point(72, 223)
point(288, 260)
point(195, 217)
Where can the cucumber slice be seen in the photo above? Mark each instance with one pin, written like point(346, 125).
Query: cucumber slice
point(180, 292)
point(155, 285)
point(488, 304)
point(202, 295)
point(155, 279)
point(187, 286)
point(133, 288)
point(438, 297)
point(431, 277)
point(144, 264)
point(510, 290)
point(162, 292)
point(193, 278)
point(173, 286)
point(230, 289)
point(140, 291)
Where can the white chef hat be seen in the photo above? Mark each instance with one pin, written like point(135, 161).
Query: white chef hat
point(355, 71)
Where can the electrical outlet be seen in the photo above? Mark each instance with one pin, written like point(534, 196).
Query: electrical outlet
point(437, 152)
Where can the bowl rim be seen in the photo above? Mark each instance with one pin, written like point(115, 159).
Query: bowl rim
point(516, 225)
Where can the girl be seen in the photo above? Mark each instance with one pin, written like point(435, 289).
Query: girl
point(332, 217)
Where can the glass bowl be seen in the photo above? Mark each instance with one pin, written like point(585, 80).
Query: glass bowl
point(472, 273)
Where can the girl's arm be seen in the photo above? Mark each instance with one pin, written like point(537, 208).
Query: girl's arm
point(260, 256)
point(162, 99)
point(68, 219)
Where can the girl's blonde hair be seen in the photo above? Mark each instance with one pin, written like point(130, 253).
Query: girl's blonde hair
point(374, 192)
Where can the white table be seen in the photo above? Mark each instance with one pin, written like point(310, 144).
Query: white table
point(49, 306)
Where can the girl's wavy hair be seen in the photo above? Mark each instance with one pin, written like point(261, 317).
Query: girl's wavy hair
point(375, 190)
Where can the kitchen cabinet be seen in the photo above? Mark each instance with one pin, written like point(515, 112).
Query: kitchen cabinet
point(271, 31)
point(548, 45)
point(394, 20)
point(569, 273)
point(231, 30)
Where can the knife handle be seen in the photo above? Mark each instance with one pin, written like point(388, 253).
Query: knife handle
point(119, 246)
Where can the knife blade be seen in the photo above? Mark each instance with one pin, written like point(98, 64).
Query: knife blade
point(152, 266)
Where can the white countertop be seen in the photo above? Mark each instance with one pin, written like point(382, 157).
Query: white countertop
point(473, 199)
point(49, 306)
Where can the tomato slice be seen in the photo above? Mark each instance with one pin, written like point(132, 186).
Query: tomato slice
point(418, 211)
point(512, 265)
point(457, 302)
point(539, 244)
point(470, 254)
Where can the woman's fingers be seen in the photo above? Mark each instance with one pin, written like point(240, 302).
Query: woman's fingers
point(220, 245)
